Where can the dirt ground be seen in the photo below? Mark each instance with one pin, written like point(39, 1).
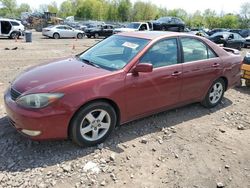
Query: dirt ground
point(185, 147)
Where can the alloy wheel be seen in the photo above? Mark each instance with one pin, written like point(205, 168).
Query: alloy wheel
point(95, 125)
point(216, 93)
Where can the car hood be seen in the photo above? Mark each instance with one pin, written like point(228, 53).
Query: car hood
point(52, 76)
point(125, 29)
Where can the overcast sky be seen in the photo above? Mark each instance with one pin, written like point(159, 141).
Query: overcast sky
point(227, 6)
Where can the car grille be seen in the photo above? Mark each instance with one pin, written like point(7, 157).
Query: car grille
point(14, 94)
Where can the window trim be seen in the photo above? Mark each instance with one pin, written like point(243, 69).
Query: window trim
point(182, 52)
point(178, 52)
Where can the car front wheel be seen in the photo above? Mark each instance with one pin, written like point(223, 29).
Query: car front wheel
point(92, 124)
point(214, 94)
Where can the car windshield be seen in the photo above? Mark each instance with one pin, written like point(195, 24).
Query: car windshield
point(133, 25)
point(114, 52)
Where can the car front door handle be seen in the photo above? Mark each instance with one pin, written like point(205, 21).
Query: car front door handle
point(176, 73)
point(216, 65)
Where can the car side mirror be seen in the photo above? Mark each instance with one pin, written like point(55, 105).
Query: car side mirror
point(142, 67)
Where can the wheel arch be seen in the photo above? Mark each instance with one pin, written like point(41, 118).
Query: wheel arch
point(221, 77)
point(106, 100)
point(56, 33)
point(226, 82)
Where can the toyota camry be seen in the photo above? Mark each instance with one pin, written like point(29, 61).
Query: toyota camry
point(122, 78)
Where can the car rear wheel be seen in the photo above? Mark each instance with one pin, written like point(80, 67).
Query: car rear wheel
point(96, 35)
point(92, 124)
point(214, 94)
point(56, 36)
point(164, 28)
point(240, 46)
point(247, 82)
point(79, 35)
point(14, 35)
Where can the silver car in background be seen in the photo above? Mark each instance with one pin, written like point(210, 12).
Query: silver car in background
point(62, 31)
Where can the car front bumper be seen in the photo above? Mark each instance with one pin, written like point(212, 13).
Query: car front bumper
point(44, 124)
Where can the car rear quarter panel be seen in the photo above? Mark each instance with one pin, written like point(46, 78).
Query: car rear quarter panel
point(231, 64)
point(232, 69)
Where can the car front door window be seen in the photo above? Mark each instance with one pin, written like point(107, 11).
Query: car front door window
point(163, 53)
point(159, 88)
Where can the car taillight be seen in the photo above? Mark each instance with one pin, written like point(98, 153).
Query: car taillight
point(46, 30)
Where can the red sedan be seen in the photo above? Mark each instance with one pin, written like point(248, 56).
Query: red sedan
point(123, 78)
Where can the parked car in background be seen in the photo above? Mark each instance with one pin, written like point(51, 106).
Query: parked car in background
point(168, 24)
point(99, 31)
point(245, 33)
point(199, 33)
point(62, 31)
point(228, 39)
point(76, 25)
point(11, 28)
point(234, 30)
point(247, 43)
point(213, 31)
point(134, 26)
point(122, 78)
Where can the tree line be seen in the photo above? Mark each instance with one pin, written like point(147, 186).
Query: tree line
point(125, 11)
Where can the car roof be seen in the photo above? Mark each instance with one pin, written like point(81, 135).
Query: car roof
point(151, 35)
point(225, 32)
point(60, 26)
point(10, 20)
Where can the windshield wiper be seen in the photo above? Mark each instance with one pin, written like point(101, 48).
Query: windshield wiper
point(90, 63)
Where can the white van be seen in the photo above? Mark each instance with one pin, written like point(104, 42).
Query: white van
point(11, 28)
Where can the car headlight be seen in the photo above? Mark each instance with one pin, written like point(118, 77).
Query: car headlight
point(39, 100)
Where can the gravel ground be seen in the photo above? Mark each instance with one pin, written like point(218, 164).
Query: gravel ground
point(185, 147)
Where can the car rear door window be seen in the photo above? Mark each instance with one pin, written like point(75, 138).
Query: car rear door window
point(14, 23)
point(163, 53)
point(195, 50)
point(60, 27)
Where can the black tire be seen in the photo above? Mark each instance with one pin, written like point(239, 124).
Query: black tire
point(207, 102)
point(14, 35)
point(78, 121)
point(239, 48)
point(164, 28)
point(56, 36)
point(79, 35)
point(89, 36)
point(96, 35)
point(181, 29)
point(247, 82)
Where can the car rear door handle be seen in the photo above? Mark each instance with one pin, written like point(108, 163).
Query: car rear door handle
point(216, 65)
point(176, 73)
